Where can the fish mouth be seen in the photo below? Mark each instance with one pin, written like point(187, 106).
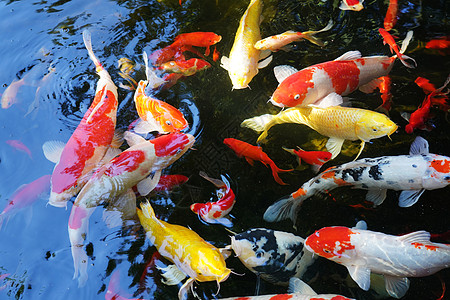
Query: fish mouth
point(394, 129)
point(58, 200)
point(275, 103)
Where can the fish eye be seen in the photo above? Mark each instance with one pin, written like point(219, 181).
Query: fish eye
point(258, 254)
point(296, 97)
point(447, 178)
point(326, 251)
point(168, 123)
point(375, 128)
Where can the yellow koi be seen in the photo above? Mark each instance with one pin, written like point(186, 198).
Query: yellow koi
point(191, 254)
point(242, 64)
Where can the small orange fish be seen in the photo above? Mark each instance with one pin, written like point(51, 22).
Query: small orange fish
point(252, 153)
point(198, 39)
point(216, 54)
point(389, 39)
point(384, 86)
point(314, 158)
point(391, 15)
point(442, 44)
point(18, 145)
point(185, 67)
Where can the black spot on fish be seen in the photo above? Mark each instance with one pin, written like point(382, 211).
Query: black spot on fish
point(411, 180)
point(355, 173)
point(414, 166)
point(375, 173)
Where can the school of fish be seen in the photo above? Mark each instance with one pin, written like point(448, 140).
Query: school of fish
point(95, 168)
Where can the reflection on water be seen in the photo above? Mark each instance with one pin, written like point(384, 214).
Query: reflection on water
point(42, 45)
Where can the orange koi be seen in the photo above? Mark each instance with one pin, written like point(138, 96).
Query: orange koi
point(252, 153)
point(439, 99)
point(314, 158)
point(441, 44)
point(389, 39)
point(391, 15)
point(198, 39)
point(384, 86)
point(216, 54)
point(18, 145)
point(185, 67)
point(215, 212)
point(90, 141)
point(168, 182)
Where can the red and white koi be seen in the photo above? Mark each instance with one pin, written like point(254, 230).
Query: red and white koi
point(185, 67)
point(216, 212)
point(25, 196)
point(113, 182)
point(90, 141)
point(168, 182)
point(395, 257)
point(355, 5)
point(391, 15)
point(341, 76)
point(314, 158)
point(412, 174)
point(279, 41)
point(252, 153)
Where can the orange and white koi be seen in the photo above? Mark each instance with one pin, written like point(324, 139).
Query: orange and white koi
point(192, 256)
point(412, 174)
point(113, 182)
point(242, 64)
point(156, 115)
point(185, 67)
point(355, 5)
point(395, 257)
point(314, 158)
point(168, 182)
point(252, 153)
point(391, 15)
point(198, 39)
point(90, 141)
point(277, 42)
point(24, 196)
point(341, 76)
point(216, 212)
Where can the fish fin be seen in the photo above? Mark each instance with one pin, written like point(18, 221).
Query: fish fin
point(147, 210)
point(223, 221)
point(371, 86)
point(332, 99)
point(285, 208)
point(283, 71)
point(344, 6)
point(409, 198)
point(133, 138)
point(226, 252)
point(110, 154)
point(258, 123)
point(405, 115)
point(147, 185)
point(184, 289)
point(88, 45)
point(405, 44)
point(265, 62)
point(120, 209)
point(376, 196)
point(172, 275)
point(298, 286)
point(224, 62)
point(80, 260)
point(52, 150)
point(419, 146)
point(264, 54)
point(118, 138)
point(144, 127)
point(396, 286)
point(334, 146)
point(153, 80)
point(316, 168)
point(349, 55)
point(361, 225)
point(291, 151)
point(360, 275)
point(250, 161)
point(217, 182)
point(310, 35)
point(420, 236)
point(360, 150)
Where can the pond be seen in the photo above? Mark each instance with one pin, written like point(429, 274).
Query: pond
point(43, 54)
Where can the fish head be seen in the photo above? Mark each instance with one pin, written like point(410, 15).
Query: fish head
point(333, 243)
point(171, 119)
point(169, 147)
point(209, 266)
point(292, 91)
point(201, 208)
point(374, 125)
point(240, 81)
point(213, 38)
point(439, 176)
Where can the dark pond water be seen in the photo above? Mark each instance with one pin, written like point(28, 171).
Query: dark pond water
point(38, 35)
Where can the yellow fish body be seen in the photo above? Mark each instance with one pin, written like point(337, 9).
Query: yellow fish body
point(191, 254)
point(242, 65)
point(337, 122)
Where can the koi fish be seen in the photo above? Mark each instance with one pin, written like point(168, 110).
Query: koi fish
point(275, 256)
point(185, 67)
point(342, 76)
point(385, 89)
point(24, 196)
point(395, 257)
point(277, 42)
point(412, 174)
point(88, 145)
point(192, 256)
point(298, 290)
point(18, 145)
point(216, 212)
point(113, 182)
point(252, 153)
point(314, 158)
point(170, 52)
point(389, 39)
point(242, 64)
point(337, 122)
point(439, 98)
point(216, 54)
point(355, 5)
point(441, 44)
point(391, 15)
point(113, 292)
point(168, 182)
point(198, 39)
point(156, 115)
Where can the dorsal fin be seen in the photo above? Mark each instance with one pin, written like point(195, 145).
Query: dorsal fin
point(416, 237)
point(419, 146)
point(349, 55)
point(284, 71)
point(298, 286)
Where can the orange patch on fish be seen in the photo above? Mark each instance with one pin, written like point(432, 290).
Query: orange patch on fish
point(128, 161)
point(343, 82)
point(442, 166)
point(300, 192)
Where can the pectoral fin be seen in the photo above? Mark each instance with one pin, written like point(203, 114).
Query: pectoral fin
point(396, 286)
point(148, 184)
point(184, 289)
point(250, 161)
point(120, 209)
point(224, 62)
point(298, 286)
point(334, 146)
point(376, 196)
point(360, 275)
point(332, 99)
point(283, 71)
point(52, 150)
point(133, 139)
point(265, 62)
point(419, 146)
point(409, 198)
point(371, 86)
point(143, 127)
point(172, 275)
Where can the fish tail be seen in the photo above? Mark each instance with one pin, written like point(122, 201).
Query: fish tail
point(403, 58)
point(291, 151)
point(258, 123)
point(310, 35)
point(88, 45)
point(147, 210)
point(262, 137)
point(276, 170)
point(285, 208)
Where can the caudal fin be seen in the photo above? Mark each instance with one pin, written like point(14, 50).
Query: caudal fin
point(310, 35)
point(147, 210)
point(258, 123)
point(275, 171)
point(88, 45)
point(285, 208)
point(404, 57)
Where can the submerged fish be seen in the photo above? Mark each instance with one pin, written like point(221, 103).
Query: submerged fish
point(355, 5)
point(314, 158)
point(275, 256)
point(337, 122)
point(412, 174)
point(192, 256)
point(242, 64)
point(185, 67)
point(391, 15)
point(198, 39)
point(395, 257)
